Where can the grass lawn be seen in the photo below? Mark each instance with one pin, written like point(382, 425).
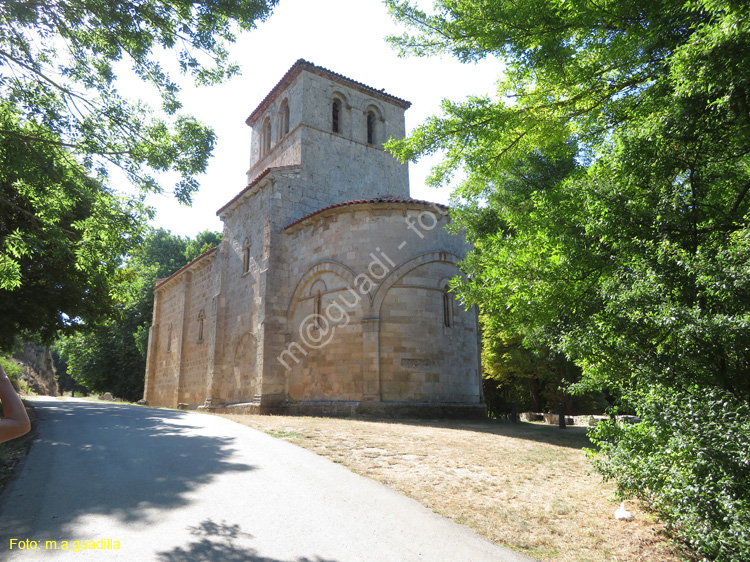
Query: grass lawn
point(526, 486)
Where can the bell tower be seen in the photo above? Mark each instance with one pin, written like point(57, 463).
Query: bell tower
point(334, 128)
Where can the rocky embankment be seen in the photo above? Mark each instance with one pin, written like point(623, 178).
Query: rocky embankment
point(38, 369)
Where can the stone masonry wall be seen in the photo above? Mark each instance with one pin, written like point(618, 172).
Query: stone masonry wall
point(162, 384)
point(245, 261)
point(177, 358)
point(378, 283)
point(345, 306)
point(341, 164)
point(196, 339)
point(421, 358)
point(285, 147)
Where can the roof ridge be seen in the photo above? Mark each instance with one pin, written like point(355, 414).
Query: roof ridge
point(301, 64)
point(161, 282)
point(255, 182)
point(379, 199)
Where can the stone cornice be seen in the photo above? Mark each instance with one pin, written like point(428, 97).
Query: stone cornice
point(388, 201)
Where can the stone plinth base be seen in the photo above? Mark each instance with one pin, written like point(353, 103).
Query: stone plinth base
point(341, 408)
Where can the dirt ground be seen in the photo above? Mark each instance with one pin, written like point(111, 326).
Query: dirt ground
point(526, 486)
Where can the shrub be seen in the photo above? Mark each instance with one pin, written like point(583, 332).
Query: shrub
point(689, 462)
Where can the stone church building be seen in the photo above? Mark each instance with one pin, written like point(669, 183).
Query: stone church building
point(328, 293)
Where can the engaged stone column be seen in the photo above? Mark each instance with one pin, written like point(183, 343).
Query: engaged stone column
point(153, 337)
point(181, 335)
point(371, 359)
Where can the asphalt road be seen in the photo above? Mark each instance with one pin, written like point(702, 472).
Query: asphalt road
point(175, 486)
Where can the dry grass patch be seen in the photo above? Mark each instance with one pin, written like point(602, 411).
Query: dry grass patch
point(526, 486)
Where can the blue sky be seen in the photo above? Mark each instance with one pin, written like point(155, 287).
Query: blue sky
point(345, 36)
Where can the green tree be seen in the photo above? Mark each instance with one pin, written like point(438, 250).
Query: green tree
point(516, 367)
point(62, 236)
point(65, 382)
point(12, 369)
point(535, 377)
point(111, 356)
point(64, 127)
point(160, 256)
point(60, 63)
point(633, 262)
point(202, 242)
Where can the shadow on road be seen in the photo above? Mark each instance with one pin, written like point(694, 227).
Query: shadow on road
point(108, 459)
point(218, 541)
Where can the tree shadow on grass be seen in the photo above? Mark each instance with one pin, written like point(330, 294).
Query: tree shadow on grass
point(221, 541)
point(573, 436)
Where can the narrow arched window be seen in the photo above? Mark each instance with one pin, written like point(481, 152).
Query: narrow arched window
point(245, 260)
point(267, 136)
point(169, 338)
point(370, 127)
point(201, 318)
point(335, 114)
point(447, 309)
point(284, 118)
point(246, 256)
point(318, 307)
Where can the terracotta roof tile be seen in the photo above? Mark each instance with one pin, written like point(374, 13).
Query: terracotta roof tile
point(302, 64)
point(161, 282)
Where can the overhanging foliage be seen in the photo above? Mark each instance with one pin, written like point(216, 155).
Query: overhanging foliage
point(633, 259)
